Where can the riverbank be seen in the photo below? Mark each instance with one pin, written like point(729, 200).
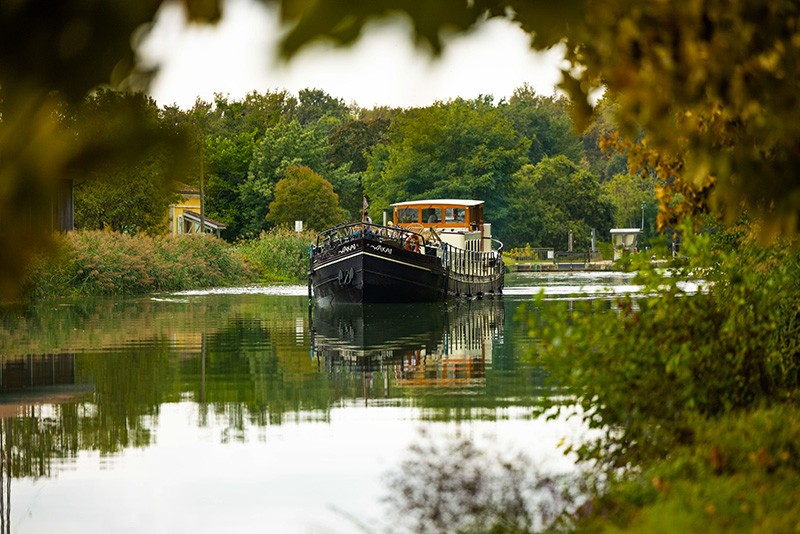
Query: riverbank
point(109, 263)
point(533, 267)
point(561, 266)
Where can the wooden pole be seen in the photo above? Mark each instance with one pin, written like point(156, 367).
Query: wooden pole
point(202, 192)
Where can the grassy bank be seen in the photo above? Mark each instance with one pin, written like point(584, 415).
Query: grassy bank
point(108, 263)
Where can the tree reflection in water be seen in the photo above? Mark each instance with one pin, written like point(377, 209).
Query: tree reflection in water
point(454, 486)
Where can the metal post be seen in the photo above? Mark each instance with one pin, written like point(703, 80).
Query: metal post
point(642, 217)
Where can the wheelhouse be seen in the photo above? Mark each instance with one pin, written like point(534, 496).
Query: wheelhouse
point(440, 214)
point(456, 222)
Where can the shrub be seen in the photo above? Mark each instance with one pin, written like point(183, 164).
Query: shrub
point(109, 263)
point(280, 255)
point(675, 378)
point(644, 366)
point(741, 473)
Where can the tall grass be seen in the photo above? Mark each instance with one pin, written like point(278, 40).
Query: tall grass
point(108, 263)
point(280, 255)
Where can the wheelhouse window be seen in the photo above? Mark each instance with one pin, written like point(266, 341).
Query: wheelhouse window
point(432, 215)
point(407, 215)
point(455, 215)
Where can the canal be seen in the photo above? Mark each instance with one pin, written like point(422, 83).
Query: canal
point(243, 409)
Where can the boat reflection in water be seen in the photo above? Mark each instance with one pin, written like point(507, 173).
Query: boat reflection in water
point(443, 346)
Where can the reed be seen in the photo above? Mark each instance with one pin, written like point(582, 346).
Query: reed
point(109, 263)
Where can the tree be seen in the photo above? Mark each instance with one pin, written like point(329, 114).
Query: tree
point(224, 135)
point(353, 139)
point(555, 197)
point(303, 195)
point(286, 144)
point(255, 113)
point(349, 144)
point(547, 122)
point(314, 105)
point(127, 195)
point(603, 160)
point(227, 163)
point(630, 195)
point(459, 149)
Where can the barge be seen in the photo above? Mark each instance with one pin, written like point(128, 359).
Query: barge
point(430, 251)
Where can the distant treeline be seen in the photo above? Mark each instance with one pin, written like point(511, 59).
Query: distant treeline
point(539, 177)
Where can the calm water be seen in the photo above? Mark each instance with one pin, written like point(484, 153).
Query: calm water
point(242, 410)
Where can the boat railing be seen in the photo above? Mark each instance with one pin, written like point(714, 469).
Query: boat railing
point(497, 246)
point(396, 235)
point(470, 264)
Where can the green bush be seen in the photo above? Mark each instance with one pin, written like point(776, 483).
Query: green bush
point(642, 367)
point(740, 473)
point(109, 263)
point(679, 376)
point(280, 255)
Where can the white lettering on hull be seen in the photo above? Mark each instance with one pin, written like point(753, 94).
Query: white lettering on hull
point(379, 248)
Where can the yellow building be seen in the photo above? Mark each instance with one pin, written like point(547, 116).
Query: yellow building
point(184, 215)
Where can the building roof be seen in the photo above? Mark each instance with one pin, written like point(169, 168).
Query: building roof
point(625, 230)
point(211, 223)
point(447, 201)
point(186, 189)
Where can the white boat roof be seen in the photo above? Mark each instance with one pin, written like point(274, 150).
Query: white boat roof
point(625, 230)
point(448, 201)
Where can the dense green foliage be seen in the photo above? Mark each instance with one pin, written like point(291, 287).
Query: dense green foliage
point(280, 255)
point(547, 122)
point(469, 149)
point(109, 263)
point(738, 473)
point(126, 195)
point(556, 197)
point(249, 144)
point(666, 378)
point(458, 149)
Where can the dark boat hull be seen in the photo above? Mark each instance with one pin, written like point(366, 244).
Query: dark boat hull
point(361, 270)
point(366, 270)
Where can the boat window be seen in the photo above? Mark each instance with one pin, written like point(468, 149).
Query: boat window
point(454, 215)
point(432, 215)
point(407, 215)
